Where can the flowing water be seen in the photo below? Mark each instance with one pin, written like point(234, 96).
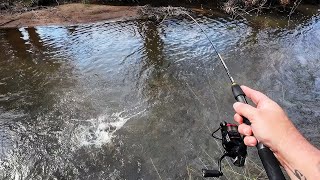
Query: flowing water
point(139, 99)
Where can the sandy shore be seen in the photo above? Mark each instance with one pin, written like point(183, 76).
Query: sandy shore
point(68, 14)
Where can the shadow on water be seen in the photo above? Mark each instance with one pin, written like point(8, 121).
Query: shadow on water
point(24, 73)
point(30, 85)
point(139, 99)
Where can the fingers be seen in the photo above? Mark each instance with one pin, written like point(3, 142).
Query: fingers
point(249, 112)
point(238, 118)
point(250, 141)
point(254, 95)
point(245, 110)
point(245, 129)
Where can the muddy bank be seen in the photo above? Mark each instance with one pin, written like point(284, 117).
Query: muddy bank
point(77, 13)
point(68, 14)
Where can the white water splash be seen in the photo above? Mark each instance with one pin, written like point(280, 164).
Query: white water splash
point(102, 129)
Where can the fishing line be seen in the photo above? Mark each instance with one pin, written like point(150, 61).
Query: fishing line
point(214, 47)
point(237, 149)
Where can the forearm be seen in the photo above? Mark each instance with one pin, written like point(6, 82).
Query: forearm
point(300, 159)
point(271, 126)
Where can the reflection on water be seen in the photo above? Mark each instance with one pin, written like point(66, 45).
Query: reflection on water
point(139, 99)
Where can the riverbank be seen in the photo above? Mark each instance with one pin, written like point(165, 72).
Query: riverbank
point(78, 13)
point(68, 14)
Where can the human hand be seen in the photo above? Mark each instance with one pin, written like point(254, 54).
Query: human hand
point(269, 123)
point(272, 127)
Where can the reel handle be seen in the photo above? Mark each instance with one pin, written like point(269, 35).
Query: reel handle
point(269, 161)
point(211, 173)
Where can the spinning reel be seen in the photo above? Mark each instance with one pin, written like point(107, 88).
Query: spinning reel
point(233, 145)
point(232, 141)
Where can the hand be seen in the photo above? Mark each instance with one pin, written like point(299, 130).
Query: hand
point(271, 126)
point(269, 123)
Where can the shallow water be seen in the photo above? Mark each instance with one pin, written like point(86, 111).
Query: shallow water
point(139, 99)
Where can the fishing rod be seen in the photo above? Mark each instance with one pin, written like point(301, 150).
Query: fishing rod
point(231, 139)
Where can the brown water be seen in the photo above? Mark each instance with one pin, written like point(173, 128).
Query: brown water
point(139, 99)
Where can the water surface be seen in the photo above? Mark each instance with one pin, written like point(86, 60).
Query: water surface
point(139, 99)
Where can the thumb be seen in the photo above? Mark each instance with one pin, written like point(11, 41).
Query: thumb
point(245, 110)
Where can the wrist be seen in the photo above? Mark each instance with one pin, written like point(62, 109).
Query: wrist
point(298, 156)
point(283, 150)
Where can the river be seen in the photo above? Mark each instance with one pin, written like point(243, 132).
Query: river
point(139, 99)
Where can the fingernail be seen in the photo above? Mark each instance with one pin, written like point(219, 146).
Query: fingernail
point(235, 105)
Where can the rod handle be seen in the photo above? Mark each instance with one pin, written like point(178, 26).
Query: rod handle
point(240, 96)
point(269, 161)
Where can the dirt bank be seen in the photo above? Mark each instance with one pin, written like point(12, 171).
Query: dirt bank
point(68, 14)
